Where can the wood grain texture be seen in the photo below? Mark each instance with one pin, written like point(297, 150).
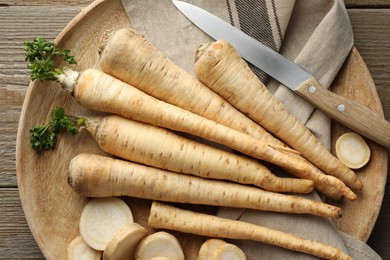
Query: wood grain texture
point(39, 188)
point(19, 24)
point(45, 2)
point(356, 115)
point(353, 82)
point(46, 173)
point(380, 236)
point(372, 35)
point(22, 19)
point(367, 3)
point(15, 236)
point(371, 28)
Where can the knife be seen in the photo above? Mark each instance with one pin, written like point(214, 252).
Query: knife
point(346, 111)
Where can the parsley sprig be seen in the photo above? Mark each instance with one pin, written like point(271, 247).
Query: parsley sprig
point(40, 54)
point(44, 137)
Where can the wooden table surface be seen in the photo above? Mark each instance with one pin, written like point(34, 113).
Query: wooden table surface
point(22, 20)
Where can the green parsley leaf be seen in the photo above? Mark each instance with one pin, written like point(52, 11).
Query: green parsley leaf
point(40, 54)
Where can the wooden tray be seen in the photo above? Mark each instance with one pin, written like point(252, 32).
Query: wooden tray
point(52, 208)
point(354, 81)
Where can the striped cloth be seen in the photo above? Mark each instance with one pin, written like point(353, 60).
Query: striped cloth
point(315, 34)
point(258, 19)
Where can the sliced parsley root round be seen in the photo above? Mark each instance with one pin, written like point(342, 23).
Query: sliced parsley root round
point(352, 150)
point(160, 244)
point(218, 249)
point(228, 251)
point(124, 242)
point(78, 249)
point(208, 247)
point(101, 218)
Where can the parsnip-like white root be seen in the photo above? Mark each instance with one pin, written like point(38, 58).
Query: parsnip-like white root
point(352, 150)
point(101, 218)
point(228, 252)
point(107, 177)
point(217, 66)
point(164, 216)
point(124, 242)
point(79, 250)
point(159, 244)
point(218, 249)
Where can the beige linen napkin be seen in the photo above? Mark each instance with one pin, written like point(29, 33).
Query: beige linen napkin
point(316, 35)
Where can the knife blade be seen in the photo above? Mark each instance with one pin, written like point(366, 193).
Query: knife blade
point(346, 111)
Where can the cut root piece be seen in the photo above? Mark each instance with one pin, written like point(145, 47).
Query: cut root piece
point(101, 218)
point(352, 150)
point(124, 242)
point(78, 249)
point(228, 252)
point(157, 245)
point(214, 249)
point(209, 247)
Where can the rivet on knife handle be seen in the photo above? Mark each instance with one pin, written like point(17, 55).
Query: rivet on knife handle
point(347, 111)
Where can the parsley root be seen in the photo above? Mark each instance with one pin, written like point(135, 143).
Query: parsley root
point(78, 249)
point(168, 217)
point(99, 91)
point(159, 244)
point(101, 218)
point(130, 57)
point(158, 147)
point(124, 242)
point(108, 177)
point(220, 67)
point(133, 59)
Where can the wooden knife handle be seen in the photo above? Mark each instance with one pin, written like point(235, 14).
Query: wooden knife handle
point(347, 111)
